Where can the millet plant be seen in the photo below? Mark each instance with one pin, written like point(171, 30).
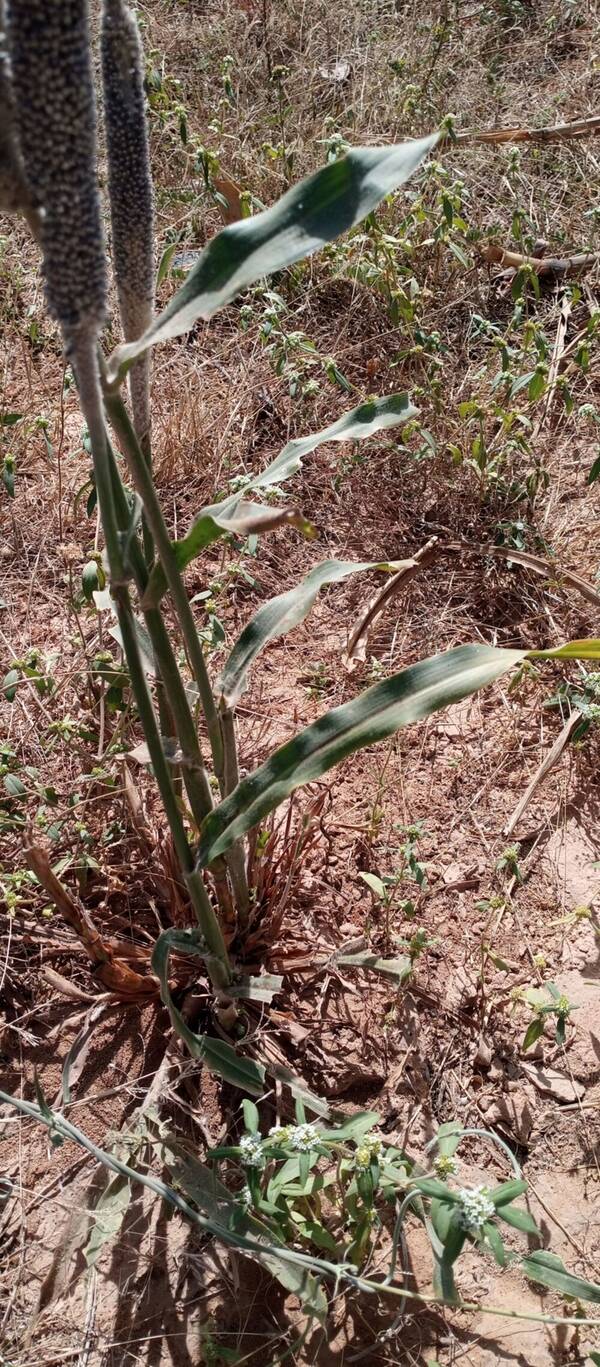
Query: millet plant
point(48, 171)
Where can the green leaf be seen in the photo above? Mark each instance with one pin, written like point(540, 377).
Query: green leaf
point(312, 213)
point(492, 1237)
point(448, 1138)
point(455, 1239)
point(164, 264)
point(397, 969)
point(591, 479)
point(280, 615)
point(355, 1127)
point(9, 687)
point(594, 1357)
point(508, 1191)
point(374, 883)
point(406, 697)
point(237, 516)
point(251, 1117)
point(108, 1216)
point(549, 1270)
point(260, 989)
point(518, 1218)
point(430, 1186)
point(533, 1033)
point(14, 786)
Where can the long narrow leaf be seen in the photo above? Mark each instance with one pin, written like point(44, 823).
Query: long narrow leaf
point(548, 1270)
point(373, 416)
point(315, 211)
point(406, 697)
point(280, 615)
point(235, 514)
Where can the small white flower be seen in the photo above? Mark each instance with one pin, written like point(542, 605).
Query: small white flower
point(252, 1151)
point(280, 1132)
point(476, 1207)
point(304, 1137)
point(245, 1197)
point(444, 1165)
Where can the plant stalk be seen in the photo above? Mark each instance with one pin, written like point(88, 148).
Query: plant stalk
point(142, 480)
point(194, 772)
point(86, 369)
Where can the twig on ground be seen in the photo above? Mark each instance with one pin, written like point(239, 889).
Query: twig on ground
point(579, 128)
point(553, 754)
point(559, 267)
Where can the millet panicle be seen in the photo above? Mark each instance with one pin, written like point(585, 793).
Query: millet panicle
point(130, 187)
point(55, 117)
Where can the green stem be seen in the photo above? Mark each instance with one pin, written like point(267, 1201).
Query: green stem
point(87, 373)
point(194, 772)
point(231, 778)
point(143, 483)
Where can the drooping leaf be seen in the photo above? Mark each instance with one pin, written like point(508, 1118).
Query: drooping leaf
point(375, 415)
point(220, 1056)
point(376, 884)
point(144, 644)
point(406, 697)
point(549, 1270)
point(591, 479)
point(233, 515)
point(587, 649)
point(280, 615)
point(238, 516)
point(312, 213)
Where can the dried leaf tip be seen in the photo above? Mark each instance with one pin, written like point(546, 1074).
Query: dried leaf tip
point(55, 116)
point(130, 185)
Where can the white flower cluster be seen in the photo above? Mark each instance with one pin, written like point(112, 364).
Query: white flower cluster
point(303, 1137)
point(371, 1148)
point(280, 1132)
point(476, 1207)
point(245, 1197)
point(252, 1151)
point(444, 1165)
